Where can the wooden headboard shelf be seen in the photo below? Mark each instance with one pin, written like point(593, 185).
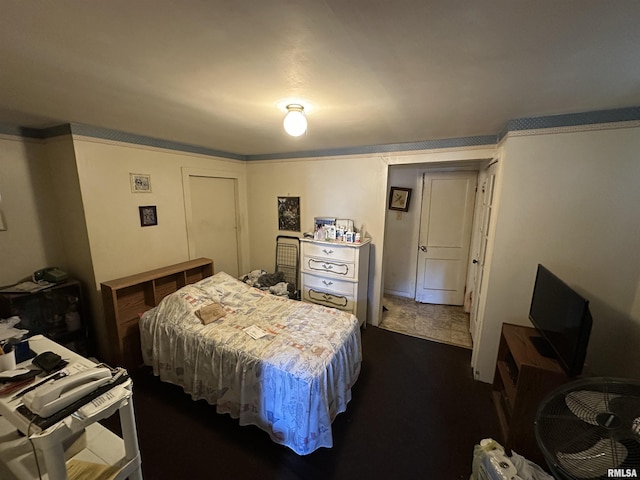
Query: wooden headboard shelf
point(125, 299)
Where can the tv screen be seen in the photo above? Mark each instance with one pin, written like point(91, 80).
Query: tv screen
point(562, 318)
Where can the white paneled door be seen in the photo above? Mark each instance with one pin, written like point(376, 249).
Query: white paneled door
point(445, 236)
point(488, 187)
point(213, 227)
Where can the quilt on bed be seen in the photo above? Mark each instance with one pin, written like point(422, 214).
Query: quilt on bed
point(291, 382)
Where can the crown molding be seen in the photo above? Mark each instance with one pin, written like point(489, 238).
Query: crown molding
point(461, 142)
point(583, 121)
point(571, 122)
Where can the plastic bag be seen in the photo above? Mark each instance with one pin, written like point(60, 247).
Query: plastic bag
point(527, 469)
point(491, 463)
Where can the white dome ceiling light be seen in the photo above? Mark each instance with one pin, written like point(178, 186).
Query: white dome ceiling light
point(295, 123)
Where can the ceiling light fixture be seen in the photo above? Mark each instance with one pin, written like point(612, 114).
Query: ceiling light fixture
point(295, 123)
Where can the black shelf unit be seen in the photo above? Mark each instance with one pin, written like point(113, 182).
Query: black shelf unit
point(56, 312)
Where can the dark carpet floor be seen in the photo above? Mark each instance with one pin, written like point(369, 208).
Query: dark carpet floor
point(416, 413)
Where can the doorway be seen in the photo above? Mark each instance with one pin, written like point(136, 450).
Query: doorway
point(401, 313)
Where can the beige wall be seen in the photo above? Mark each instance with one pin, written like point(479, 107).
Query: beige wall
point(119, 245)
point(32, 239)
point(345, 187)
point(570, 202)
point(402, 231)
point(67, 202)
point(352, 187)
point(71, 222)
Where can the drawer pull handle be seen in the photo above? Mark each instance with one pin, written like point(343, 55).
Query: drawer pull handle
point(327, 252)
point(327, 283)
point(328, 267)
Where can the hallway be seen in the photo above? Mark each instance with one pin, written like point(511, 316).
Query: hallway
point(440, 323)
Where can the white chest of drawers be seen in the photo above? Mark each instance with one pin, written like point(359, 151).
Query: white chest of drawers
point(336, 274)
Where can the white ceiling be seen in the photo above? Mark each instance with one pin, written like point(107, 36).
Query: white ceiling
point(370, 72)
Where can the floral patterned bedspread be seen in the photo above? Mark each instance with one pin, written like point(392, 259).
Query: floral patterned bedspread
point(291, 382)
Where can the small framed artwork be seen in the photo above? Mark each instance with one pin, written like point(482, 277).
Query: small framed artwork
point(148, 216)
point(399, 199)
point(140, 183)
point(289, 213)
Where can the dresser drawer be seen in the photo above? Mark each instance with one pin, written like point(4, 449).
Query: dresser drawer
point(341, 302)
point(329, 285)
point(329, 267)
point(329, 251)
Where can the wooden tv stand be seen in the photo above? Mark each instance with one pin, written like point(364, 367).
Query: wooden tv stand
point(523, 378)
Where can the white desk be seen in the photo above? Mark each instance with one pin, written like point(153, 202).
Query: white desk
point(102, 446)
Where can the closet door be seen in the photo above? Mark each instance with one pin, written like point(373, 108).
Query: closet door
point(445, 237)
point(213, 229)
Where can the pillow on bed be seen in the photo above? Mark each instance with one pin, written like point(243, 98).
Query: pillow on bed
point(210, 313)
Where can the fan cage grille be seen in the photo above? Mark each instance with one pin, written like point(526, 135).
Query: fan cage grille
point(589, 426)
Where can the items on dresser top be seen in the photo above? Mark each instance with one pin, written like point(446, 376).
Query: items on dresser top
point(335, 229)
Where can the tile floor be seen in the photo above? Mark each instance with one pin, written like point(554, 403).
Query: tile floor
point(440, 323)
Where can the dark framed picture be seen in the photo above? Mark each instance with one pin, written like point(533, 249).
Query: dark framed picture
point(399, 199)
point(289, 213)
point(148, 216)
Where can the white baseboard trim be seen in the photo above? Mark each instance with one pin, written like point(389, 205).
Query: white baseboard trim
point(396, 293)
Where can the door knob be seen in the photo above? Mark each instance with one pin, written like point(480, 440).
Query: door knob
point(423, 248)
point(475, 261)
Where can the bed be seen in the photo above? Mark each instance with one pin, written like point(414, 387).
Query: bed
point(291, 380)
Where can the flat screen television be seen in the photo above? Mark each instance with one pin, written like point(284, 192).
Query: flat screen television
point(562, 318)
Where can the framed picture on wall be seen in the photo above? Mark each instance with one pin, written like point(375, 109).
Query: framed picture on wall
point(148, 216)
point(289, 214)
point(399, 199)
point(140, 183)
